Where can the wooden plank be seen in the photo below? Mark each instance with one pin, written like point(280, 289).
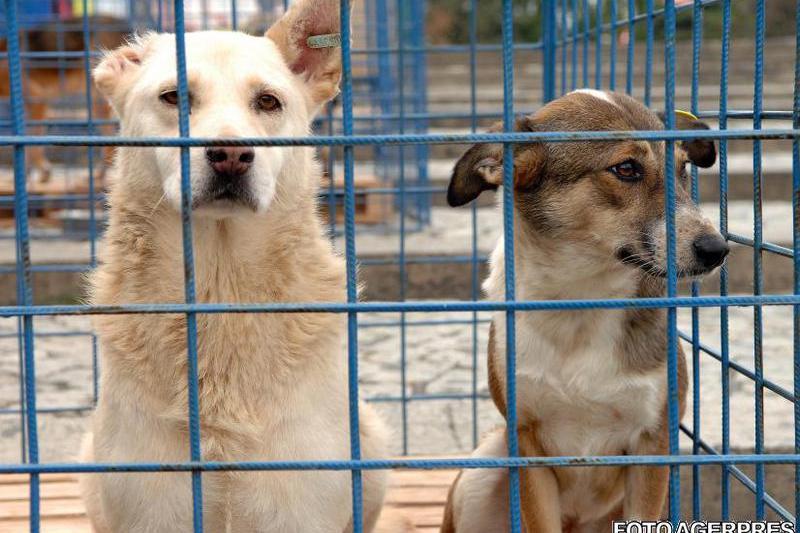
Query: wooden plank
point(50, 489)
point(49, 525)
point(419, 494)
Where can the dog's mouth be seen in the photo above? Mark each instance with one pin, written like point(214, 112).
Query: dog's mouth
point(224, 193)
point(645, 262)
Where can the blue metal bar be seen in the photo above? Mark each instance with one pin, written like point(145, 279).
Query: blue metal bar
point(758, 275)
point(515, 520)
point(697, 40)
point(431, 116)
point(386, 464)
point(612, 50)
point(350, 256)
point(431, 138)
point(396, 307)
point(648, 57)
point(772, 386)
point(598, 45)
point(188, 269)
point(23, 261)
point(574, 24)
point(564, 48)
point(402, 208)
point(795, 244)
point(672, 273)
point(474, 271)
point(742, 477)
point(549, 37)
point(723, 275)
point(765, 246)
point(586, 30)
point(631, 47)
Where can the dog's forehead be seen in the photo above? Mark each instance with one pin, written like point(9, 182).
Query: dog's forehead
point(594, 110)
point(220, 51)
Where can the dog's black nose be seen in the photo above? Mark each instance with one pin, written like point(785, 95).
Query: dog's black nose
point(710, 249)
point(230, 160)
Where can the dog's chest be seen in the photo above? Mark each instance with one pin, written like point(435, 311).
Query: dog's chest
point(584, 400)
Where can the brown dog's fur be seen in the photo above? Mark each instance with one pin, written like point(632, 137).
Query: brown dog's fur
point(593, 381)
point(45, 80)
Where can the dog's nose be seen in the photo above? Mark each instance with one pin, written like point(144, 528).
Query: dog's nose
point(230, 160)
point(710, 249)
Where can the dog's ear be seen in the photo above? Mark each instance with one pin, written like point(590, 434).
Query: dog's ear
point(318, 61)
point(701, 152)
point(118, 69)
point(481, 167)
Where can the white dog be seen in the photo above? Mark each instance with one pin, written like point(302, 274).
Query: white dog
point(272, 386)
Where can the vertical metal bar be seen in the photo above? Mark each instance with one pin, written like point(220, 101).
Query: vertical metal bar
point(188, 268)
point(574, 21)
point(234, 16)
point(631, 47)
point(350, 256)
point(672, 273)
point(549, 51)
point(598, 45)
point(796, 256)
point(87, 45)
point(648, 55)
point(401, 94)
point(586, 30)
point(563, 40)
point(475, 290)
point(508, 235)
point(758, 274)
point(23, 260)
point(697, 40)
point(612, 52)
point(723, 275)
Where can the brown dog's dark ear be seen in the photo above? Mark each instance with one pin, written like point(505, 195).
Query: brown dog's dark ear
point(479, 169)
point(701, 152)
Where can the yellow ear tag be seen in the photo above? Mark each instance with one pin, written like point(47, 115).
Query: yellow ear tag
point(685, 114)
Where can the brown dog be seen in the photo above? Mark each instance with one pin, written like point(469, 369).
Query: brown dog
point(45, 80)
point(589, 223)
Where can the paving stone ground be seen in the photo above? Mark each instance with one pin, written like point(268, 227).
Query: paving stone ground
point(438, 361)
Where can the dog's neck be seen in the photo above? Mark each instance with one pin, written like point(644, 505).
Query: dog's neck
point(549, 270)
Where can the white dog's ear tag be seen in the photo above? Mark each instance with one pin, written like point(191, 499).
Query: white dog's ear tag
point(328, 40)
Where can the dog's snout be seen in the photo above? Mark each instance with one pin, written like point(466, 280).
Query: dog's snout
point(230, 160)
point(710, 249)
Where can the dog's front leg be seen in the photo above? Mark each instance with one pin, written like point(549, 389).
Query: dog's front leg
point(541, 508)
point(646, 486)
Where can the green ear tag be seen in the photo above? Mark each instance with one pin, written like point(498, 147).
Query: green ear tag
point(329, 40)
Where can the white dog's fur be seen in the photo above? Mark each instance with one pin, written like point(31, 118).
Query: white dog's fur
point(272, 386)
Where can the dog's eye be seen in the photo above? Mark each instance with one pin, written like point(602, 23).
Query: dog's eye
point(169, 97)
point(627, 171)
point(267, 102)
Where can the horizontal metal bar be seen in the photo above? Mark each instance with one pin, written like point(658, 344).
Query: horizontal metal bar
point(742, 477)
point(389, 464)
point(423, 260)
point(774, 387)
point(396, 307)
point(425, 397)
point(766, 246)
point(422, 323)
point(390, 117)
point(5, 269)
point(49, 410)
point(430, 138)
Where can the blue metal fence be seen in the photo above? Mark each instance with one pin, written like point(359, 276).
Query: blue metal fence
point(394, 58)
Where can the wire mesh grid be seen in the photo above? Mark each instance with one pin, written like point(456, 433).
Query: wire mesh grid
point(399, 138)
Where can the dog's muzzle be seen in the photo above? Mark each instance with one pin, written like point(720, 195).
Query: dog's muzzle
point(229, 181)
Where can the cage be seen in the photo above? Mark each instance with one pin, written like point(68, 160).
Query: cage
point(425, 78)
